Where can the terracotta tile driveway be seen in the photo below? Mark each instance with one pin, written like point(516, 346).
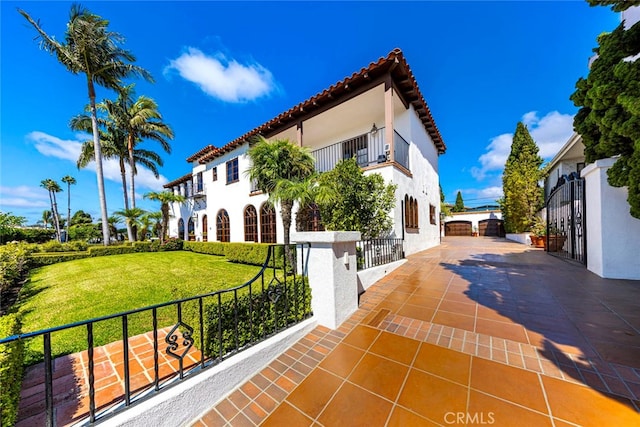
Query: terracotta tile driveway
point(478, 331)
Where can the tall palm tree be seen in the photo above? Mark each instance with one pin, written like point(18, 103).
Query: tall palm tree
point(164, 197)
point(69, 180)
point(114, 146)
point(91, 49)
point(53, 187)
point(138, 119)
point(284, 171)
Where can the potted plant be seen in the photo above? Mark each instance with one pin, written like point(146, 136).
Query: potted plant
point(538, 232)
point(555, 240)
point(474, 233)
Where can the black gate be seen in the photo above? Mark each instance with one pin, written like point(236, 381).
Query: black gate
point(566, 219)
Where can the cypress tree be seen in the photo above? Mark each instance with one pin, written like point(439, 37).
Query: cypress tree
point(459, 206)
point(522, 194)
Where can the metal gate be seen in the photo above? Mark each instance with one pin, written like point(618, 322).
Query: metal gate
point(566, 219)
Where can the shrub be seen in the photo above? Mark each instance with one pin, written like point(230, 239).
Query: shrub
point(247, 253)
point(172, 244)
point(29, 235)
point(258, 316)
point(42, 259)
point(211, 248)
point(11, 361)
point(110, 250)
point(145, 246)
point(14, 265)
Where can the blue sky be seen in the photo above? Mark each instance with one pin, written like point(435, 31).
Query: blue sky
point(222, 69)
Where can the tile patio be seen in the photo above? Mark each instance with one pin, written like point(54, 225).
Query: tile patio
point(478, 331)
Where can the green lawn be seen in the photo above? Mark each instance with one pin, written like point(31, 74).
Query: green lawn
point(79, 290)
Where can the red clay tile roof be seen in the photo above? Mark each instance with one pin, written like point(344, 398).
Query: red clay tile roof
point(394, 63)
point(180, 180)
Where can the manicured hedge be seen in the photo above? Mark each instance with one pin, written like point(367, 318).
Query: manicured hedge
point(41, 259)
point(243, 253)
point(11, 359)
point(257, 315)
point(210, 248)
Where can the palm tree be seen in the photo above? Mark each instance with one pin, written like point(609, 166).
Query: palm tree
point(131, 218)
point(149, 221)
point(69, 180)
point(164, 197)
point(53, 187)
point(285, 172)
point(138, 120)
point(46, 218)
point(91, 49)
point(114, 145)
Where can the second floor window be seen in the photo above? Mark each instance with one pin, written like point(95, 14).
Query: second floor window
point(214, 173)
point(232, 171)
point(199, 184)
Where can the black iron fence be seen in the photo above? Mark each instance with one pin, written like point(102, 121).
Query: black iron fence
point(219, 324)
point(374, 252)
point(368, 149)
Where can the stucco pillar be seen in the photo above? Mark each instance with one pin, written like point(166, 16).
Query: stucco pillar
point(612, 233)
point(332, 271)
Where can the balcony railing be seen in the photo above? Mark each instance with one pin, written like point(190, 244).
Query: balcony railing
point(220, 324)
point(368, 149)
point(374, 252)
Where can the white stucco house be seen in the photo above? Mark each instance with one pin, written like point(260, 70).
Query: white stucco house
point(377, 115)
point(485, 221)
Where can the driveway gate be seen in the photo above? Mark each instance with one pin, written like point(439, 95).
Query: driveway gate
point(566, 219)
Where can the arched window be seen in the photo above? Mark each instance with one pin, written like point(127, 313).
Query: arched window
point(410, 212)
point(222, 226)
point(204, 228)
point(308, 218)
point(191, 229)
point(181, 229)
point(267, 223)
point(250, 224)
point(407, 216)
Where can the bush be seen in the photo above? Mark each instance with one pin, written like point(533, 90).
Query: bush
point(145, 246)
point(11, 361)
point(247, 253)
point(14, 265)
point(110, 250)
point(211, 248)
point(42, 259)
point(172, 244)
point(257, 316)
point(29, 235)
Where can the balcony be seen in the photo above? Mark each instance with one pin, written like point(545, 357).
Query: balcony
point(368, 149)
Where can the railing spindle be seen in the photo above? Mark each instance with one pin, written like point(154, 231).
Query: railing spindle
point(92, 390)
point(156, 368)
point(48, 381)
point(125, 358)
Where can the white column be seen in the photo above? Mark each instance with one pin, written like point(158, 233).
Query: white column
point(332, 271)
point(612, 233)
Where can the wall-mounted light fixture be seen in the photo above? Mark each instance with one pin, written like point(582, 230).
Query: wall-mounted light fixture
point(374, 129)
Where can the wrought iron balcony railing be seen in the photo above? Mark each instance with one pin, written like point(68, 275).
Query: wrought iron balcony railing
point(368, 149)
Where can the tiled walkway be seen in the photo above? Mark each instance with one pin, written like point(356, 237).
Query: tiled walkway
point(478, 331)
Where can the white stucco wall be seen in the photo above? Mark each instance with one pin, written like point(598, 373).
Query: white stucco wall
point(473, 217)
point(612, 233)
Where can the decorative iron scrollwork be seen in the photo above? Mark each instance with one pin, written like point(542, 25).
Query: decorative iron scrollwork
point(274, 291)
point(173, 341)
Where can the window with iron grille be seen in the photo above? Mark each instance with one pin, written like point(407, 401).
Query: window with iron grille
point(267, 223)
point(232, 171)
point(432, 214)
point(250, 224)
point(222, 226)
point(214, 172)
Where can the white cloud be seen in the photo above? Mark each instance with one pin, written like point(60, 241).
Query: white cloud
point(24, 196)
point(52, 146)
point(550, 133)
point(223, 78)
